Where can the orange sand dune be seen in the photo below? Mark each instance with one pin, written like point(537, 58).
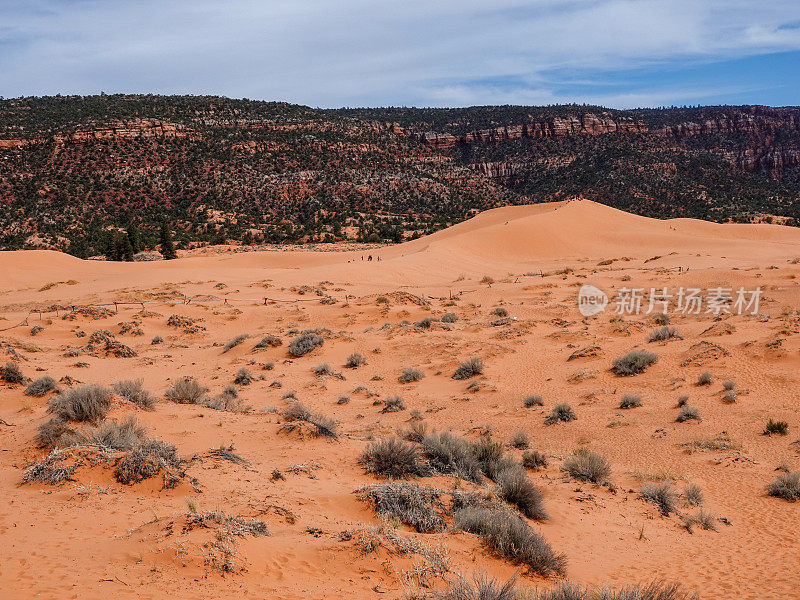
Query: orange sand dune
point(93, 536)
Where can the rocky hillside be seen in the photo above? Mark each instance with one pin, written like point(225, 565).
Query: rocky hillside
point(76, 172)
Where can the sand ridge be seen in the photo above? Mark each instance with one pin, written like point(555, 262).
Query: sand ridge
point(94, 536)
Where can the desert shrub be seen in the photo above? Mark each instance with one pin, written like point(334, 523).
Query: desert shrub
point(688, 413)
point(533, 400)
point(661, 319)
point(449, 318)
point(415, 505)
point(469, 368)
point(416, 432)
point(230, 391)
point(561, 412)
point(786, 486)
point(693, 494)
point(661, 495)
point(500, 312)
point(702, 519)
point(392, 458)
point(55, 433)
point(450, 455)
point(41, 386)
point(534, 460)
point(515, 488)
point(355, 360)
point(305, 343)
point(705, 378)
point(490, 457)
point(630, 401)
point(323, 369)
point(243, 377)
point(85, 403)
point(657, 590)
point(232, 343)
point(343, 399)
point(52, 469)
point(634, 362)
point(776, 428)
point(133, 391)
point(512, 538)
point(683, 401)
point(323, 426)
point(11, 373)
point(119, 436)
point(588, 466)
point(393, 404)
point(186, 391)
point(483, 588)
point(148, 460)
point(157, 340)
point(520, 440)
point(410, 375)
point(425, 323)
point(730, 396)
point(729, 385)
point(664, 334)
point(268, 341)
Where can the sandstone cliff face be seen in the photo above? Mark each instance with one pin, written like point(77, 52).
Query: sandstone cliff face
point(589, 124)
point(129, 130)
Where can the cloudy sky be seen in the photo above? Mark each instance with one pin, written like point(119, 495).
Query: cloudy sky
point(331, 53)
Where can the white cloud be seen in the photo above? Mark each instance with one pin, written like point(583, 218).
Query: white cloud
point(378, 52)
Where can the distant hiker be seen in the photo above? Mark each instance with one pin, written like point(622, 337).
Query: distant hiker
point(370, 258)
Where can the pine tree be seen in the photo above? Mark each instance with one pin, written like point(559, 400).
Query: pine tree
point(133, 237)
point(167, 249)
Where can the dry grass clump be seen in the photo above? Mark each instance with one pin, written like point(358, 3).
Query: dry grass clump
point(483, 588)
point(561, 412)
point(450, 455)
point(633, 363)
point(305, 343)
point(232, 343)
point(730, 397)
point(729, 385)
point(515, 488)
point(534, 460)
point(660, 494)
point(414, 505)
point(449, 317)
point(186, 391)
point(702, 519)
point(393, 404)
point(268, 341)
point(664, 334)
point(410, 375)
point(11, 373)
point(392, 458)
point(133, 391)
point(656, 590)
point(533, 400)
point(469, 368)
point(89, 403)
point(322, 426)
point(588, 466)
point(243, 377)
point(41, 386)
point(124, 435)
point(355, 360)
point(520, 440)
point(661, 319)
point(512, 538)
point(688, 413)
point(705, 378)
point(693, 494)
point(786, 486)
point(630, 401)
point(500, 312)
point(56, 432)
point(776, 428)
point(147, 460)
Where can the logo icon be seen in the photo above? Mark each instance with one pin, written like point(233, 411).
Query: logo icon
point(591, 300)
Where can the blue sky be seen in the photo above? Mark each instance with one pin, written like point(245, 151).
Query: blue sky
point(330, 53)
